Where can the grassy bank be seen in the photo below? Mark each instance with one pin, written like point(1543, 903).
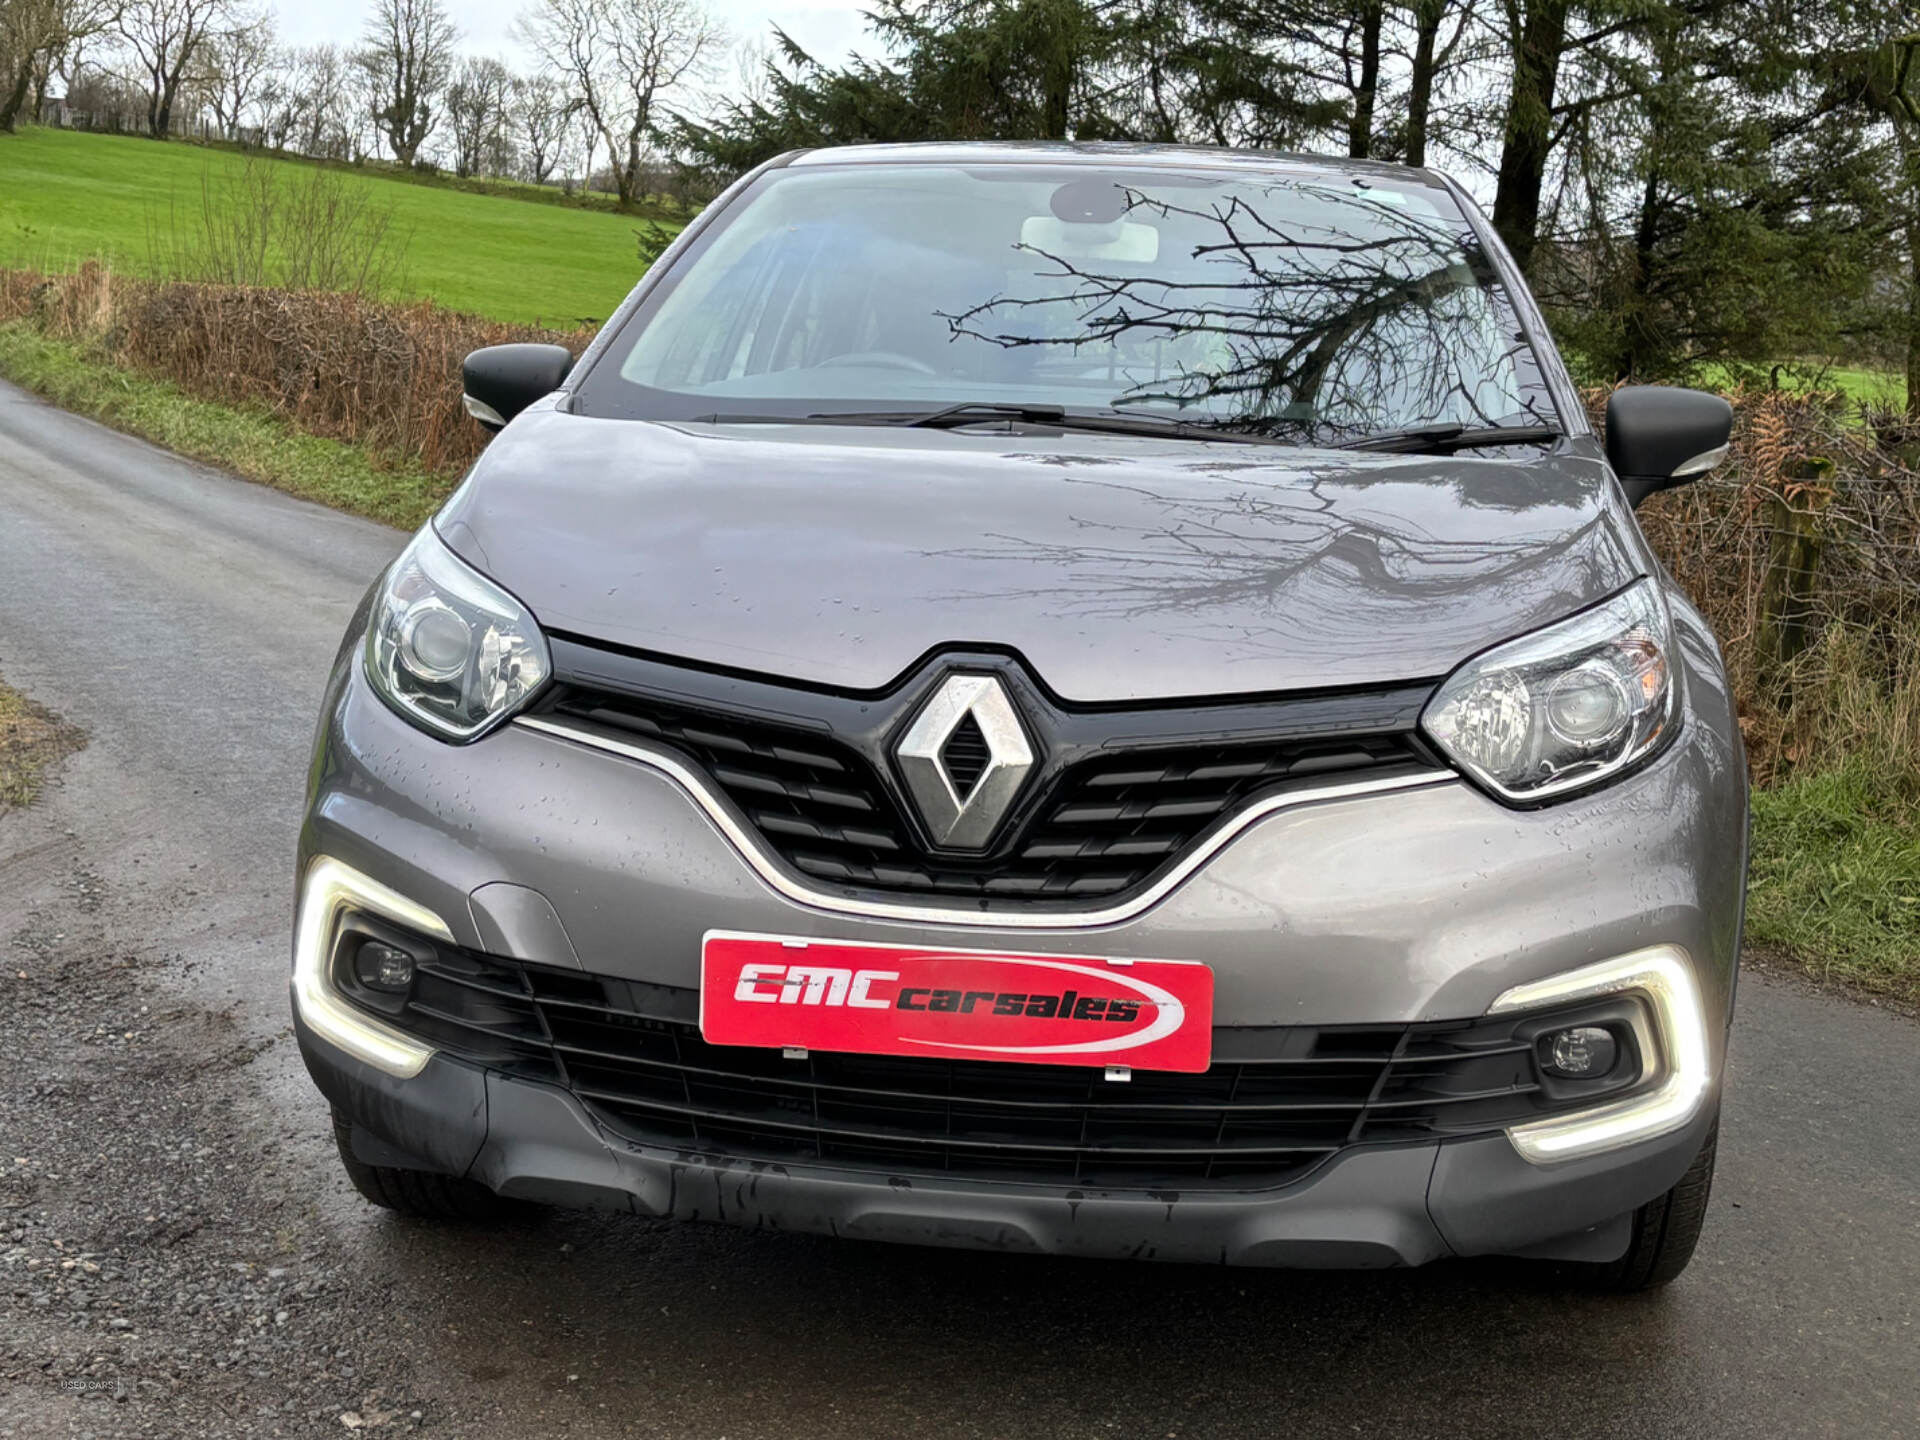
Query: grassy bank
point(251, 442)
point(66, 198)
point(1835, 879)
point(32, 740)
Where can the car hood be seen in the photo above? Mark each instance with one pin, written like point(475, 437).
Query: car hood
point(1121, 569)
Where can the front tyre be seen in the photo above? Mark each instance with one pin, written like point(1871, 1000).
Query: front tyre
point(419, 1193)
point(1665, 1230)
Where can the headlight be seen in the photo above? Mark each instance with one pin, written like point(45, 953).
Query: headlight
point(448, 648)
point(1564, 707)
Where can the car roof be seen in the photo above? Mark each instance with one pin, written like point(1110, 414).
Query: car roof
point(1108, 155)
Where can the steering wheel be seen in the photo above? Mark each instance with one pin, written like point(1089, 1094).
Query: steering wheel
point(892, 358)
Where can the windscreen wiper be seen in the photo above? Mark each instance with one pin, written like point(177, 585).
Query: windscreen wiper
point(969, 412)
point(977, 412)
point(1445, 439)
point(1111, 422)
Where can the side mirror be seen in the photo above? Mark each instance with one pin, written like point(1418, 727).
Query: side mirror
point(502, 380)
point(1659, 437)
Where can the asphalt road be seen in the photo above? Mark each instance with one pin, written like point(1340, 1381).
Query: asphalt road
point(186, 620)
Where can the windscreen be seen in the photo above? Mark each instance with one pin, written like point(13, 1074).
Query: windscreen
point(1296, 304)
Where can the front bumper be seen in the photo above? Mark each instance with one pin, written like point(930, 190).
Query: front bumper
point(1366, 1209)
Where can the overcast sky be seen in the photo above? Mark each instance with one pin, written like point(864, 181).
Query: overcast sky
point(826, 28)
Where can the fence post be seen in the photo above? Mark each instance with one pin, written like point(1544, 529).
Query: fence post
point(1787, 617)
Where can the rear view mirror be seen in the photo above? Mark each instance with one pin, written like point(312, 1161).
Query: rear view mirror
point(502, 380)
point(1658, 437)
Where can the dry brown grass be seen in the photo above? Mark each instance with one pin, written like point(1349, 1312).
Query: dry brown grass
point(1849, 479)
point(348, 368)
point(32, 738)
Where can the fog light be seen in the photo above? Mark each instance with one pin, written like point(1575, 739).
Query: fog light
point(384, 967)
point(1585, 1052)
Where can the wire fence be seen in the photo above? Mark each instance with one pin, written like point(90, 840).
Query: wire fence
point(184, 124)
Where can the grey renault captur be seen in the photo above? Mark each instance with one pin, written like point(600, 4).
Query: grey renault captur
point(1076, 699)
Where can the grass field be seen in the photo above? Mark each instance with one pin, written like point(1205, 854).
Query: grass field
point(1878, 386)
point(68, 197)
point(1883, 387)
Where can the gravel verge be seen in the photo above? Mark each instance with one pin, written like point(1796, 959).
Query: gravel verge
point(156, 1278)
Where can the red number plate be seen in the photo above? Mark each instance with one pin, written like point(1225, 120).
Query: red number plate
point(955, 1004)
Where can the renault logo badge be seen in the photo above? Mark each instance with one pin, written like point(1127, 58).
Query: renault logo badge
point(965, 758)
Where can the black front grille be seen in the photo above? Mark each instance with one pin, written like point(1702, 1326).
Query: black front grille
point(1276, 1103)
point(1101, 827)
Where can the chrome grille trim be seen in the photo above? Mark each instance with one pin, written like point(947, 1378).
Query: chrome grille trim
point(782, 881)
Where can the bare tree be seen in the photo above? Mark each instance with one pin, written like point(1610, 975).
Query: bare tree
point(34, 36)
point(103, 94)
point(755, 62)
point(308, 103)
point(542, 120)
point(237, 63)
point(405, 60)
point(166, 38)
point(621, 58)
point(87, 21)
point(477, 103)
point(277, 101)
point(27, 29)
